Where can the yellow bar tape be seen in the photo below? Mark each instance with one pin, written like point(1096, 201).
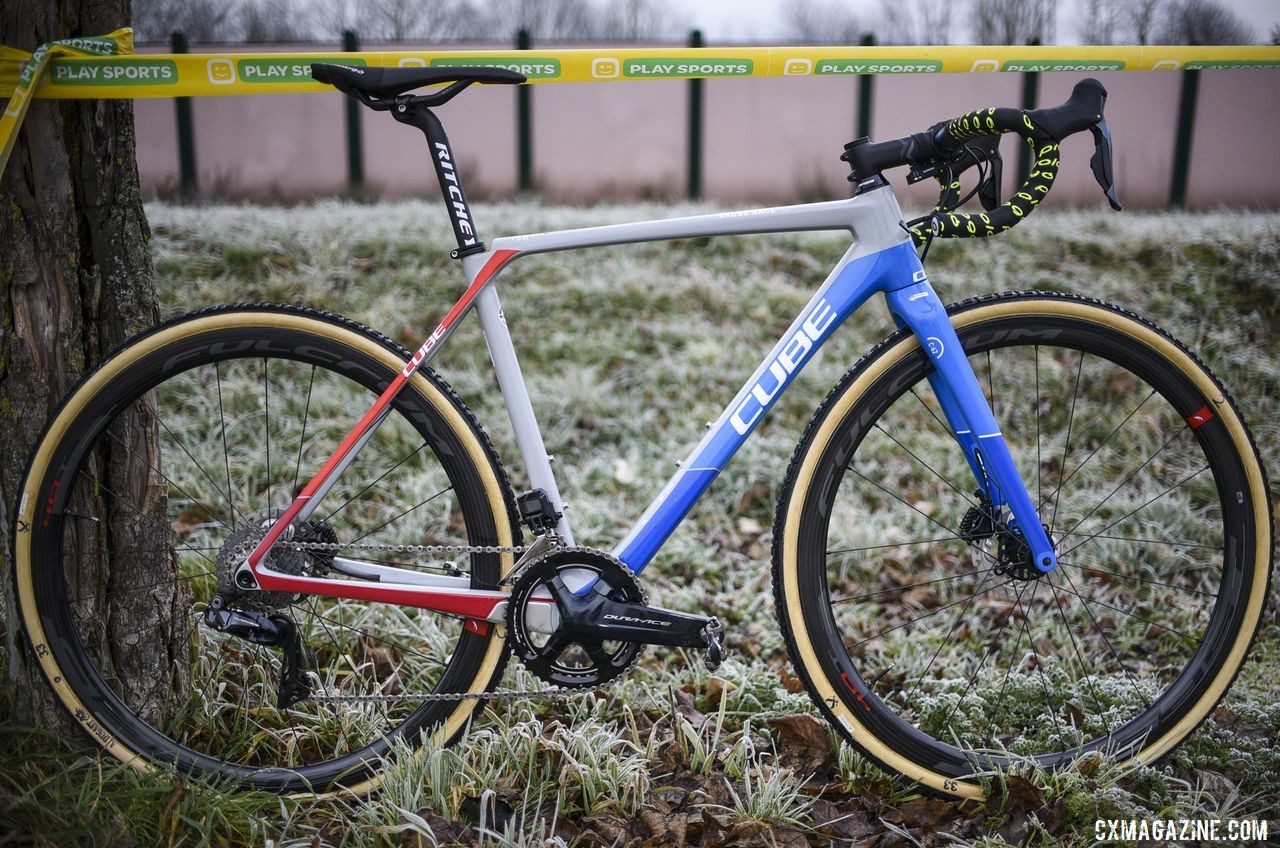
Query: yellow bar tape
point(105, 66)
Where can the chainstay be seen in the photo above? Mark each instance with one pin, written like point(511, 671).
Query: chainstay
point(336, 547)
point(557, 692)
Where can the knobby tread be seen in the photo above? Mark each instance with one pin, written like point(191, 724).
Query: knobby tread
point(822, 410)
point(336, 320)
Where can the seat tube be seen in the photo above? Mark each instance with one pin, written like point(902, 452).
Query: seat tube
point(917, 306)
point(515, 394)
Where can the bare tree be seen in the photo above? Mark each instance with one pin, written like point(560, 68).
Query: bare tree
point(545, 20)
point(78, 280)
point(1014, 21)
point(1140, 18)
point(1275, 34)
point(198, 20)
point(916, 21)
point(820, 22)
point(263, 21)
point(638, 20)
point(1202, 22)
point(1103, 22)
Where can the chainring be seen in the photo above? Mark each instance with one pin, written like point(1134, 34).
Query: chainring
point(570, 662)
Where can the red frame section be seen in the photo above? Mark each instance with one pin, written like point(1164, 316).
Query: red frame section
point(471, 603)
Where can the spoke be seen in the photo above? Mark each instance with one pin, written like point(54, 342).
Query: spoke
point(172, 578)
point(1056, 493)
point(226, 454)
point(338, 652)
point(953, 533)
point(302, 439)
point(1103, 634)
point(1084, 667)
point(1014, 659)
point(973, 678)
point(235, 513)
point(159, 474)
point(954, 624)
point(1124, 611)
point(845, 600)
point(851, 646)
point(1127, 515)
point(894, 545)
point(368, 635)
point(401, 515)
point(116, 637)
point(163, 677)
point(946, 430)
point(381, 477)
point(1066, 447)
point(1044, 683)
point(266, 426)
point(120, 499)
point(929, 467)
point(1139, 579)
point(1126, 480)
point(1091, 536)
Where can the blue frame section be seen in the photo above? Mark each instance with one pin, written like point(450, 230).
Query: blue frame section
point(897, 273)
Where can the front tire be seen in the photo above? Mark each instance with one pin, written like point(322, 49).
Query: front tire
point(918, 640)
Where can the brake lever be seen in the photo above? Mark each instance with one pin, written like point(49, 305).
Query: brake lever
point(1101, 162)
point(989, 188)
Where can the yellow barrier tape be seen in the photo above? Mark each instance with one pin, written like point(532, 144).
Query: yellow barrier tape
point(199, 74)
point(34, 66)
point(105, 66)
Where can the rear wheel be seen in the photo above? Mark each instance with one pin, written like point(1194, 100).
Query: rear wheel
point(222, 416)
point(911, 616)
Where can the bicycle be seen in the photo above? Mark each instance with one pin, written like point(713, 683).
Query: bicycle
point(293, 642)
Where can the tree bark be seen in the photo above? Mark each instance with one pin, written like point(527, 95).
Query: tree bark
point(76, 279)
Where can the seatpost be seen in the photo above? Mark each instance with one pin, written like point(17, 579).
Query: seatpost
point(455, 199)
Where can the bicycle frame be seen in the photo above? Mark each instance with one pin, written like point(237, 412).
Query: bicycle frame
point(881, 259)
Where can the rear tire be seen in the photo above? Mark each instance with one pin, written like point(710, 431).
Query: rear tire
point(244, 400)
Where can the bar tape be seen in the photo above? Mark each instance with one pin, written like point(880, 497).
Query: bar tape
point(105, 66)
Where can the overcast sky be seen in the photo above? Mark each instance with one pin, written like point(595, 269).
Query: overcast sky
point(760, 20)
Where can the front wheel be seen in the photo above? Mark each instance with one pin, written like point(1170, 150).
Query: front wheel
point(908, 615)
point(167, 462)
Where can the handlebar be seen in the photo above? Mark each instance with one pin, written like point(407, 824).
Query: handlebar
point(948, 147)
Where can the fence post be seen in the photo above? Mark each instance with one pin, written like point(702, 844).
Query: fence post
point(865, 93)
point(524, 124)
point(694, 189)
point(1182, 144)
point(355, 143)
point(186, 130)
point(1030, 94)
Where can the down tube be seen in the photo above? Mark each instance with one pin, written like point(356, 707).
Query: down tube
point(848, 287)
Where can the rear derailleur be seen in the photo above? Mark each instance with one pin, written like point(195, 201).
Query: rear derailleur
point(264, 627)
point(578, 618)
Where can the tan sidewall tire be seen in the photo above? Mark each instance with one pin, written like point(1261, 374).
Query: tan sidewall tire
point(805, 655)
point(477, 451)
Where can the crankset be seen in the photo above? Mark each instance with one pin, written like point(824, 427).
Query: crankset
point(584, 640)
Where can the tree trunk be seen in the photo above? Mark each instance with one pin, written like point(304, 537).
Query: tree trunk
point(76, 279)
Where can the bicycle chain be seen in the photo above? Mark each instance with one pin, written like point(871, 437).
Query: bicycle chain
point(559, 692)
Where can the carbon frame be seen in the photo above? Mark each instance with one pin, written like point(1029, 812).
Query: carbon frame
point(881, 259)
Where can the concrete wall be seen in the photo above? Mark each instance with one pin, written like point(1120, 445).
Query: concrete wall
point(767, 139)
